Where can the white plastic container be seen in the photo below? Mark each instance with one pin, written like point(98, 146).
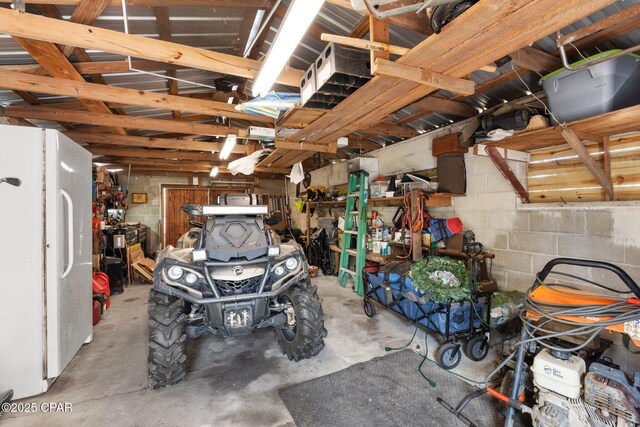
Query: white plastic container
point(560, 376)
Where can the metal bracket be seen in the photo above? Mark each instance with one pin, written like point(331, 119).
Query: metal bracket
point(18, 5)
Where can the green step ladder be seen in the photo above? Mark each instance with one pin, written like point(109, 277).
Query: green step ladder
point(355, 230)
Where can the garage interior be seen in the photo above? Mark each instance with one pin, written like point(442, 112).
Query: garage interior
point(320, 212)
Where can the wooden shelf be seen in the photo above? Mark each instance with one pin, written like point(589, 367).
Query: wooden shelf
point(400, 245)
point(370, 256)
point(433, 200)
point(615, 122)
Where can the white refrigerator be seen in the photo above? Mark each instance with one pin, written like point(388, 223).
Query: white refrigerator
point(45, 256)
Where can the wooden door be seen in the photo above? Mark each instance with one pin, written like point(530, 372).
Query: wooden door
point(174, 221)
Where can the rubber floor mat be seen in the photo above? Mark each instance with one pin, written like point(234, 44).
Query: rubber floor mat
point(386, 391)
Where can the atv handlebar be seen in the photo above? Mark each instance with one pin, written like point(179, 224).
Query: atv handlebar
point(623, 275)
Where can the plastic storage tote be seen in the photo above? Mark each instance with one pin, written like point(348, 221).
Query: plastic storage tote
point(598, 89)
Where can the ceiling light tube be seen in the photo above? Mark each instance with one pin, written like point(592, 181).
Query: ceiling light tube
point(229, 143)
point(214, 171)
point(294, 25)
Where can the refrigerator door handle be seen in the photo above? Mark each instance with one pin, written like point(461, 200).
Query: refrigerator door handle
point(66, 196)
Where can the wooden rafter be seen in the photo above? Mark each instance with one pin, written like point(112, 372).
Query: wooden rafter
point(306, 146)
point(536, 60)
point(238, 4)
point(606, 29)
point(152, 154)
point(483, 34)
point(384, 67)
point(127, 122)
point(379, 33)
point(148, 142)
point(388, 129)
point(45, 29)
point(98, 67)
point(433, 104)
point(181, 165)
point(93, 91)
point(164, 33)
point(51, 59)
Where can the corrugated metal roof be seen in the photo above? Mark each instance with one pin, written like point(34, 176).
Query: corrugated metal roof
point(219, 28)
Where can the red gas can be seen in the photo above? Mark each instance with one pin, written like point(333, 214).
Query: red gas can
point(97, 312)
point(101, 286)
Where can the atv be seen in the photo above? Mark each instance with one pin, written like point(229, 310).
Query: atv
point(236, 278)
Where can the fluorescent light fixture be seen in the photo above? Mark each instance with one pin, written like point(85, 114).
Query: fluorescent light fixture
point(230, 100)
point(214, 171)
point(115, 170)
point(294, 25)
point(229, 143)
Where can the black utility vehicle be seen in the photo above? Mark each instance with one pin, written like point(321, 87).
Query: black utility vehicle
point(236, 277)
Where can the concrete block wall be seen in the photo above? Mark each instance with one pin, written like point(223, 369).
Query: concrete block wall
point(523, 237)
point(149, 213)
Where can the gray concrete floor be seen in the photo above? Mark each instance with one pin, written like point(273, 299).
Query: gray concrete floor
point(233, 381)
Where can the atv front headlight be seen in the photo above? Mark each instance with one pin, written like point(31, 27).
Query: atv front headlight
point(191, 278)
point(279, 271)
point(175, 272)
point(291, 264)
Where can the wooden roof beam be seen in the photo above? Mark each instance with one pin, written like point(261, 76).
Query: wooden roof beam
point(50, 58)
point(97, 92)
point(185, 166)
point(53, 31)
point(606, 29)
point(98, 67)
point(234, 4)
point(384, 67)
point(536, 60)
point(307, 146)
point(389, 129)
point(484, 33)
point(149, 142)
point(164, 33)
point(127, 122)
point(152, 154)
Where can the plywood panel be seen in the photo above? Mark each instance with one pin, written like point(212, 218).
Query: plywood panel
point(558, 175)
point(174, 221)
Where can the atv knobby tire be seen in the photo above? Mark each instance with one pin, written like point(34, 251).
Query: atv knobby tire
point(306, 339)
point(167, 340)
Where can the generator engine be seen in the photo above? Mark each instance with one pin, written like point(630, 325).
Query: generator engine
point(569, 396)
